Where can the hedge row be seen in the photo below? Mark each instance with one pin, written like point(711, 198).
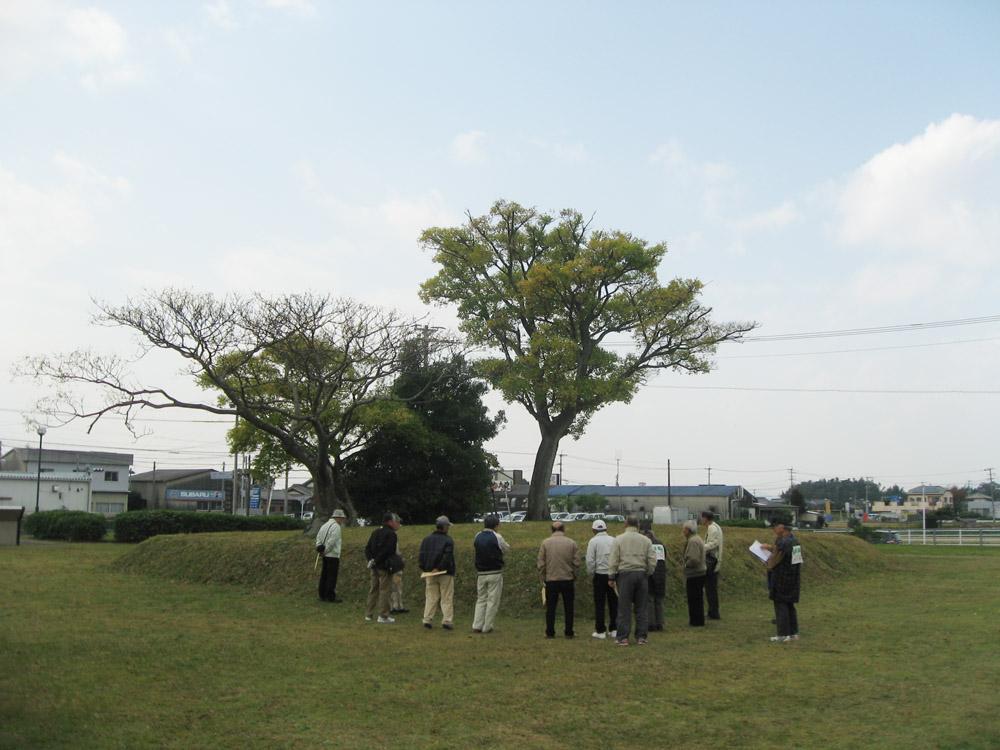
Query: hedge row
point(137, 526)
point(71, 525)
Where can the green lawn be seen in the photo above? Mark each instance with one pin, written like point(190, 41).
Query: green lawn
point(91, 658)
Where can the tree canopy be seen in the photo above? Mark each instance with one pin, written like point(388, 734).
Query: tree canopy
point(548, 296)
point(308, 375)
point(430, 461)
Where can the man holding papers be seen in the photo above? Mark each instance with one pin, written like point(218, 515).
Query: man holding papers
point(784, 566)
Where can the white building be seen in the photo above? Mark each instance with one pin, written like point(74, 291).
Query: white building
point(56, 491)
point(107, 474)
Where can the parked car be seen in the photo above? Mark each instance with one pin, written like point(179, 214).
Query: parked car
point(886, 536)
point(517, 516)
point(559, 516)
point(615, 519)
point(308, 515)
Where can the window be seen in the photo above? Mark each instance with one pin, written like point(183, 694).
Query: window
point(111, 476)
point(108, 507)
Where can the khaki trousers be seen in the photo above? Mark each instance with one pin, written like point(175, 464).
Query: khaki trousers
point(396, 595)
point(440, 590)
point(378, 593)
point(489, 587)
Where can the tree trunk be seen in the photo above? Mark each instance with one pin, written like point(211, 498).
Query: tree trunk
point(538, 491)
point(342, 493)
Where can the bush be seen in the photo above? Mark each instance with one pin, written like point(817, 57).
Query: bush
point(137, 526)
point(70, 525)
point(745, 523)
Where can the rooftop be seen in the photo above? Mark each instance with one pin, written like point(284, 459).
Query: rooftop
point(699, 490)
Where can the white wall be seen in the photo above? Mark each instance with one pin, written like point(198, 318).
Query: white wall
point(57, 492)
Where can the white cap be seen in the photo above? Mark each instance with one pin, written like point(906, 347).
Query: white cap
point(599, 525)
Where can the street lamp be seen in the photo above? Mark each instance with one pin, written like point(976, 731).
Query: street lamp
point(41, 429)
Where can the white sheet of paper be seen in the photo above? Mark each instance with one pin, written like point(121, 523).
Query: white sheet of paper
point(759, 552)
point(661, 554)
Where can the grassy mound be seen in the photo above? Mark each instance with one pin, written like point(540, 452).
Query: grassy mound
point(283, 562)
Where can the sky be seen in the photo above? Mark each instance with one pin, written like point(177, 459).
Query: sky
point(819, 166)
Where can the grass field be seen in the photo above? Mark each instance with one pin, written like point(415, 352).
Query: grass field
point(95, 658)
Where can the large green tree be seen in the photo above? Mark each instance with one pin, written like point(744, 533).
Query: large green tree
point(305, 374)
point(548, 296)
point(429, 460)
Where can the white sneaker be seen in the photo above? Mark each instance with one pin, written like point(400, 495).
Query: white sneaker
point(613, 634)
point(780, 638)
point(793, 637)
point(386, 620)
point(599, 636)
point(368, 618)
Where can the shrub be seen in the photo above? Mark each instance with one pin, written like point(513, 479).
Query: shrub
point(745, 523)
point(137, 526)
point(70, 525)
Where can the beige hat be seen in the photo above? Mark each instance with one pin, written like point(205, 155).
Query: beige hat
point(338, 514)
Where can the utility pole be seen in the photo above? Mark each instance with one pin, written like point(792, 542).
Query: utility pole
point(669, 504)
point(709, 470)
point(236, 472)
point(560, 467)
point(791, 478)
point(156, 503)
point(618, 463)
point(993, 494)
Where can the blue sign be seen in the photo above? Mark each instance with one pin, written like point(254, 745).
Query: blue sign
point(254, 498)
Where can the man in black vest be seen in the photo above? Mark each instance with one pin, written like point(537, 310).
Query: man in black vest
point(490, 548)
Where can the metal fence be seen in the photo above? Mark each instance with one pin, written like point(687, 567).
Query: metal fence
point(950, 537)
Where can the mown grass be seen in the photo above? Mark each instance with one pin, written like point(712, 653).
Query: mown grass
point(282, 562)
point(94, 658)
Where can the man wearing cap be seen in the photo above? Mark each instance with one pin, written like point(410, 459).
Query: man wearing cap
point(380, 553)
point(437, 556)
point(558, 561)
point(630, 564)
point(328, 545)
point(598, 550)
point(694, 573)
point(490, 548)
point(713, 560)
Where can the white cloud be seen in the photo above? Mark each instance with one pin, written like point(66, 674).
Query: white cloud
point(714, 181)
point(40, 223)
point(221, 13)
point(778, 217)
point(935, 194)
point(305, 7)
point(41, 35)
point(469, 147)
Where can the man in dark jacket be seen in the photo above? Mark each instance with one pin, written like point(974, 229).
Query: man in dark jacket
point(490, 548)
point(784, 566)
point(657, 581)
point(437, 558)
point(382, 559)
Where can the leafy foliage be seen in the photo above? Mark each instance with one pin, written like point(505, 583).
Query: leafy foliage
point(838, 491)
point(549, 295)
point(428, 459)
point(69, 525)
point(141, 525)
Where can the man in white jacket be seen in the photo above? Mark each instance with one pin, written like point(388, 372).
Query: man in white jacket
point(598, 550)
point(328, 542)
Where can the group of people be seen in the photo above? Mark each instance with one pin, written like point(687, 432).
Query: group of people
point(629, 574)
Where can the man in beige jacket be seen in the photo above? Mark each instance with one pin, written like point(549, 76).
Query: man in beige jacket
point(713, 561)
point(694, 573)
point(630, 564)
point(558, 562)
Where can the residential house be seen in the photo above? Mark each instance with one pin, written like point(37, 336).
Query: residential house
point(981, 504)
point(107, 473)
point(929, 497)
point(54, 490)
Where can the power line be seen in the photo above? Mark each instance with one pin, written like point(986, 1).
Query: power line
point(853, 351)
point(874, 391)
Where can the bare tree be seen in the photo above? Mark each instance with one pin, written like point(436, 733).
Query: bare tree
point(308, 374)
